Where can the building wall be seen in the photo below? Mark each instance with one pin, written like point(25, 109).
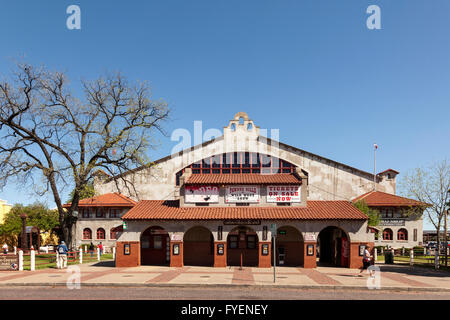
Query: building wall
point(328, 180)
point(356, 231)
point(410, 225)
point(95, 224)
point(4, 209)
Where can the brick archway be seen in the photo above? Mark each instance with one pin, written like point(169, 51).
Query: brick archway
point(333, 247)
point(289, 247)
point(198, 247)
point(155, 246)
point(242, 242)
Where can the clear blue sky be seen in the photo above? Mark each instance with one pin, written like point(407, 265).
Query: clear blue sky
point(310, 68)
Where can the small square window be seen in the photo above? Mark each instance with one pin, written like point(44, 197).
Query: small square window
point(233, 242)
point(157, 242)
point(251, 242)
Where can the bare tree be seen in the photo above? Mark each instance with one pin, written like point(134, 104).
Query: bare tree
point(430, 185)
point(51, 139)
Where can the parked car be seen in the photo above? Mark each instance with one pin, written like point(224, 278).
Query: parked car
point(432, 245)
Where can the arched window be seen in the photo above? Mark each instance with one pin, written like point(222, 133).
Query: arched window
point(387, 234)
point(402, 234)
point(87, 234)
point(237, 163)
point(113, 234)
point(101, 234)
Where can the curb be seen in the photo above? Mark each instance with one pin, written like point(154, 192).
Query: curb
point(167, 285)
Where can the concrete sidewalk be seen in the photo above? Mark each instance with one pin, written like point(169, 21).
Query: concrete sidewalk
point(392, 277)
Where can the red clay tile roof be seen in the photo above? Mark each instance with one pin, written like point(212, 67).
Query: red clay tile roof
point(383, 199)
point(108, 199)
point(245, 178)
point(315, 210)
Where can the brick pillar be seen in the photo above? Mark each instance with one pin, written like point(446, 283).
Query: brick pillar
point(265, 260)
point(309, 261)
point(176, 260)
point(131, 260)
point(355, 258)
point(220, 261)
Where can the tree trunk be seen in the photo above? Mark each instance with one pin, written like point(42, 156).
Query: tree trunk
point(438, 245)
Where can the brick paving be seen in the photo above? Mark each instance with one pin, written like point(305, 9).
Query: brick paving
point(168, 275)
point(405, 280)
point(318, 277)
point(244, 276)
point(391, 276)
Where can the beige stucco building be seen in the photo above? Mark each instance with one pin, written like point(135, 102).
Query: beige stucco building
point(187, 213)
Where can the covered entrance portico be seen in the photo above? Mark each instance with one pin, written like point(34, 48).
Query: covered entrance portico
point(242, 247)
point(198, 247)
point(289, 247)
point(333, 247)
point(155, 246)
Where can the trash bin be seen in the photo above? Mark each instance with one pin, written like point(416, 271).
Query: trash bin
point(388, 257)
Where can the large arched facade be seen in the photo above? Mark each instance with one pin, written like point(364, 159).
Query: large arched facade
point(155, 246)
point(196, 185)
point(333, 247)
point(198, 247)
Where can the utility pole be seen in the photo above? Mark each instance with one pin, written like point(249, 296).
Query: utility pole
point(375, 167)
point(445, 227)
point(445, 234)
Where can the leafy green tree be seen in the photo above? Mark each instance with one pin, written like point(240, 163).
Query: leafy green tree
point(38, 215)
point(373, 214)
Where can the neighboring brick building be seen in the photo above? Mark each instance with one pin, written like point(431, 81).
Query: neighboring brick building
point(401, 219)
point(100, 219)
point(214, 204)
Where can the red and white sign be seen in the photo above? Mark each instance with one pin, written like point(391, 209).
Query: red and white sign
point(283, 194)
point(176, 237)
point(196, 194)
point(235, 194)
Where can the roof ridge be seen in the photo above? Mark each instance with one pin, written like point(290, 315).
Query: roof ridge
point(125, 197)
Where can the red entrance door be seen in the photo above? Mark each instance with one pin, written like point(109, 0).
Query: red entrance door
point(243, 245)
point(345, 252)
point(154, 244)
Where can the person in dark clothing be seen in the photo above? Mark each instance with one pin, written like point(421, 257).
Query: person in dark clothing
point(91, 249)
point(62, 251)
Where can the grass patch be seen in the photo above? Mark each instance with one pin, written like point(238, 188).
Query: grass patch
point(49, 261)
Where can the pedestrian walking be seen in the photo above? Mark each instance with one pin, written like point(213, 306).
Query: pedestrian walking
point(367, 261)
point(5, 248)
point(100, 246)
point(91, 249)
point(62, 250)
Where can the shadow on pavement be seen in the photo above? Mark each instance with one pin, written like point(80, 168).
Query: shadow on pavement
point(414, 271)
point(109, 263)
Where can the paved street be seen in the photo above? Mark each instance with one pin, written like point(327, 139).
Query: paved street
point(154, 293)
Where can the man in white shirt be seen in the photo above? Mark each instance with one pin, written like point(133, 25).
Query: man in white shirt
point(367, 259)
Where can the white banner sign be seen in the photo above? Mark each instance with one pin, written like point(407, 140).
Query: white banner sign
point(194, 194)
point(283, 194)
point(235, 194)
point(309, 236)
